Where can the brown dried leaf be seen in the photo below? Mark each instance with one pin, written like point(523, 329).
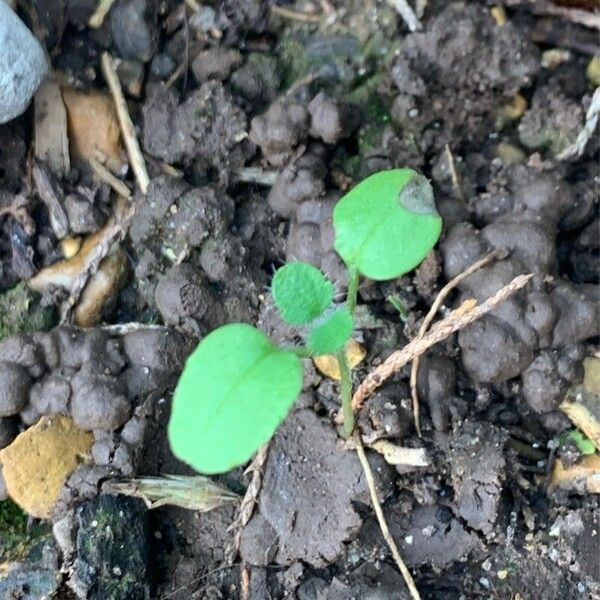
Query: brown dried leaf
point(39, 461)
point(94, 128)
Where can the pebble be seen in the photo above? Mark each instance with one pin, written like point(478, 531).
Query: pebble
point(22, 64)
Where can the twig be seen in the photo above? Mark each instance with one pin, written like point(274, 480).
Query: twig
point(125, 328)
point(136, 158)
point(105, 175)
point(387, 536)
point(468, 312)
point(442, 295)
point(245, 583)
point(583, 418)
point(454, 175)
point(97, 18)
point(544, 7)
point(255, 175)
point(407, 13)
point(575, 150)
point(294, 15)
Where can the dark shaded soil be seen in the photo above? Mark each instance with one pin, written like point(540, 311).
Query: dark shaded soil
point(253, 126)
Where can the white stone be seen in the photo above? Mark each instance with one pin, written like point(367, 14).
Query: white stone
point(22, 64)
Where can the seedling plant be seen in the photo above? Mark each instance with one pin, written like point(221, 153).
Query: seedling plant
point(238, 386)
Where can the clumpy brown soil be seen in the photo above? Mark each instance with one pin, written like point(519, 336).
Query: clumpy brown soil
point(253, 125)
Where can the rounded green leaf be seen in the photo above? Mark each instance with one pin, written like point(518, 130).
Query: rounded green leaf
point(331, 332)
point(301, 292)
point(386, 225)
point(235, 390)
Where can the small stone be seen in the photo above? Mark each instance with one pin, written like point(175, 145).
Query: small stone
point(14, 388)
point(134, 29)
point(131, 76)
point(22, 64)
point(215, 63)
point(83, 216)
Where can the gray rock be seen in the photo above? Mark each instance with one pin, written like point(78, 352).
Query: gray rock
point(134, 28)
point(22, 64)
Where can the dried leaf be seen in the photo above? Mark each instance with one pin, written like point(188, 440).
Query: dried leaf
point(192, 492)
point(583, 476)
point(102, 287)
point(94, 128)
point(328, 365)
point(39, 461)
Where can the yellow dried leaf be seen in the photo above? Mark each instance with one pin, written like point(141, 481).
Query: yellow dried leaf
point(583, 475)
point(39, 461)
point(328, 365)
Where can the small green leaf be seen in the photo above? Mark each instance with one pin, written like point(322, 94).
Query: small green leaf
point(331, 332)
point(301, 292)
point(235, 390)
point(386, 225)
point(581, 441)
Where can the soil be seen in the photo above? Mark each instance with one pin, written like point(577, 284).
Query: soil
point(253, 125)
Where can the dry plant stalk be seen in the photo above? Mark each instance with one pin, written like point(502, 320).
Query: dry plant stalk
point(442, 295)
point(114, 182)
point(582, 417)
point(294, 15)
point(249, 500)
point(408, 15)
point(138, 165)
point(97, 18)
point(576, 149)
point(406, 574)
point(468, 312)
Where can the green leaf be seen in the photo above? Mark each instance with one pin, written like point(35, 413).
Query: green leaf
point(301, 292)
point(331, 332)
point(235, 390)
point(387, 224)
point(581, 441)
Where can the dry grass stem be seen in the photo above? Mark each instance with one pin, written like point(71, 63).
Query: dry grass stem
point(468, 312)
point(442, 295)
point(408, 578)
point(408, 15)
point(136, 159)
point(114, 182)
point(294, 15)
point(97, 18)
point(576, 149)
point(250, 498)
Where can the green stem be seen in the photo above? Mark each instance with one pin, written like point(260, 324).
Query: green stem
point(346, 393)
point(399, 306)
point(352, 288)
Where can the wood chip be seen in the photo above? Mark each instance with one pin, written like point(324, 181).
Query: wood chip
point(50, 128)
